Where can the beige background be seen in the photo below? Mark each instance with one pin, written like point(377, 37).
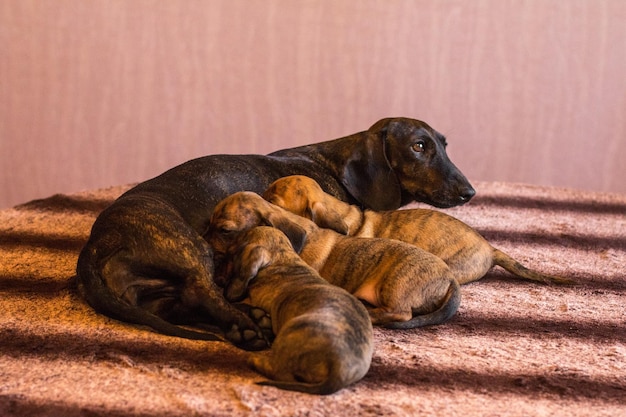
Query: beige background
point(102, 92)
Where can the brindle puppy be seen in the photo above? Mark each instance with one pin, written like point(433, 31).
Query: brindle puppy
point(468, 255)
point(405, 286)
point(324, 339)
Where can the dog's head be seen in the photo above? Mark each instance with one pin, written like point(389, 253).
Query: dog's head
point(241, 212)
point(404, 160)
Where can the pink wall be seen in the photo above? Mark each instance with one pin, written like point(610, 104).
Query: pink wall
point(102, 92)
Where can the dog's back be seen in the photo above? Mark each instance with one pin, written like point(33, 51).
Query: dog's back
point(323, 334)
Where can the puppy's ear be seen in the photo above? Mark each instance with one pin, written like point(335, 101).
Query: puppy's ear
point(329, 219)
point(295, 233)
point(247, 266)
point(368, 175)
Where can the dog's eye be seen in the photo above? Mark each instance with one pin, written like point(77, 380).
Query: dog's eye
point(418, 146)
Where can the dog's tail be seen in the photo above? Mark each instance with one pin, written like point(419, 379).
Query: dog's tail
point(321, 388)
point(103, 300)
point(444, 313)
point(339, 373)
point(334, 382)
point(505, 261)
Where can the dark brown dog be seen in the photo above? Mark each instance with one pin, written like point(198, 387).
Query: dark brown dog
point(466, 252)
point(406, 286)
point(324, 339)
point(147, 263)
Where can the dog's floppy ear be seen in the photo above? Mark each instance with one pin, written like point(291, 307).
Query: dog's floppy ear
point(295, 233)
point(329, 219)
point(368, 176)
point(247, 265)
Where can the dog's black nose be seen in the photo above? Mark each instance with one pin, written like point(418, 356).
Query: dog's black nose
point(466, 195)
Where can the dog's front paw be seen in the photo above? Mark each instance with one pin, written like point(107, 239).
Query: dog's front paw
point(247, 339)
point(263, 320)
point(260, 318)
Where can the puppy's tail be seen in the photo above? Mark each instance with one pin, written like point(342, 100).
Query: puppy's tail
point(444, 313)
point(505, 261)
point(103, 300)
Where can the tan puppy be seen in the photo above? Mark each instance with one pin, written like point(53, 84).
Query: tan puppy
point(324, 338)
point(405, 286)
point(468, 255)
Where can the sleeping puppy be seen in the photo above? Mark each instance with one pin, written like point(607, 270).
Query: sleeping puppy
point(324, 338)
point(404, 286)
point(468, 255)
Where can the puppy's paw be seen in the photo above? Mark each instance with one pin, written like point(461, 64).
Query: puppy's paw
point(247, 339)
point(260, 318)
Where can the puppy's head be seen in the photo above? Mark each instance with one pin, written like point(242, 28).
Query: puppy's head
point(241, 212)
point(253, 251)
point(303, 196)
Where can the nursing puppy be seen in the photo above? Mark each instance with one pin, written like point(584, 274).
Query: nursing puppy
point(324, 338)
point(403, 285)
point(468, 255)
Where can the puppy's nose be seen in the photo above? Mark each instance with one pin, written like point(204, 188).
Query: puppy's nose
point(466, 195)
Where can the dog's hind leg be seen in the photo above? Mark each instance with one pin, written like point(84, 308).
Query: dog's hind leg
point(164, 270)
point(382, 315)
point(448, 308)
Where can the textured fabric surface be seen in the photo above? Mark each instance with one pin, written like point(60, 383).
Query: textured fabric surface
point(514, 347)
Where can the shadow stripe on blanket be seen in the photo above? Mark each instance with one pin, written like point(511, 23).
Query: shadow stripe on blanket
point(552, 239)
point(44, 287)
point(561, 384)
point(57, 241)
point(134, 345)
point(546, 203)
point(24, 406)
point(63, 203)
point(588, 284)
point(585, 330)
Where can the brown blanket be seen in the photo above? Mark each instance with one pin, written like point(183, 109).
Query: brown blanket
point(514, 348)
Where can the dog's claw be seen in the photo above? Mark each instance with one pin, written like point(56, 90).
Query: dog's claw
point(233, 335)
point(252, 338)
point(257, 314)
point(265, 323)
point(247, 339)
point(260, 318)
point(249, 335)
